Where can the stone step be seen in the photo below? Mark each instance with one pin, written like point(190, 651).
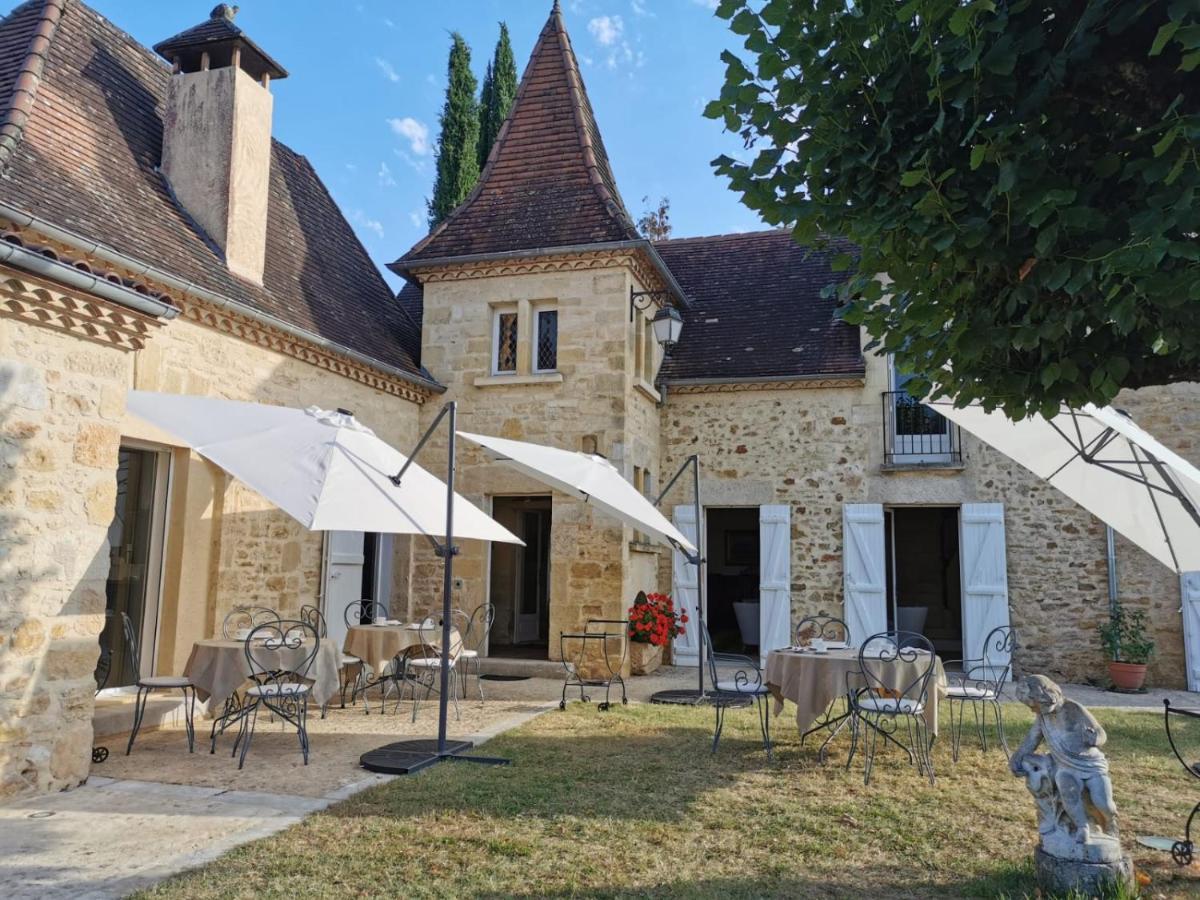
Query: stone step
point(114, 715)
point(528, 668)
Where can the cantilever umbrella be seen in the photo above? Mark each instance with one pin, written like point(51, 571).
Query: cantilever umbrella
point(1101, 459)
point(331, 473)
point(587, 477)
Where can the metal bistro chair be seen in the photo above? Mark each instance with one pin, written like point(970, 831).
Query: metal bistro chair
point(595, 631)
point(360, 612)
point(421, 666)
point(826, 627)
point(314, 617)
point(146, 686)
point(980, 684)
point(244, 618)
point(475, 630)
point(737, 682)
point(830, 629)
point(104, 670)
point(880, 708)
point(284, 693)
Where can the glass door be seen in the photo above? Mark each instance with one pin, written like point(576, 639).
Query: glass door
point(919, 435)
point(533, 596)
point(135, 546)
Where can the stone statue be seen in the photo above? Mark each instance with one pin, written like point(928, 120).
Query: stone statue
point(1077, 818)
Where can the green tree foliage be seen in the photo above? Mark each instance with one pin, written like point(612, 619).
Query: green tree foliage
point(499, 90)
point(1025, 174)
point(457, 162)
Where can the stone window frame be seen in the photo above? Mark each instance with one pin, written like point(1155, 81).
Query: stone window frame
point(498, 311)
point(536, 336)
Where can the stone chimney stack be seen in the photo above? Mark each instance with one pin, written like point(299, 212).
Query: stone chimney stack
point(217, 136)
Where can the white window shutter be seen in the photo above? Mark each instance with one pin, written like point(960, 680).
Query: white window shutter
point(984, 577)
point(343, 579)
point(863, 570)
point(685, 582)
point(1189, 589)
point(775, 577)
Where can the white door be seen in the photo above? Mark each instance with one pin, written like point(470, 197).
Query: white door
point(685, 581)
point(863, 570)
point(775, 578)
point(1189, 589)
point(344, 561)
point(984, 577)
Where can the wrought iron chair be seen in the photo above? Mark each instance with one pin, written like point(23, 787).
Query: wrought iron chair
point(880, 708)
point(592, 647)
point(980, 683)
point(244, 618)
point(826, 627)
point(737, 682)
point(284, 693)
point(364, 612)
point(475, 630)
point(421, 666)
point(104, 669)
point(146, 686)
point(360, 612)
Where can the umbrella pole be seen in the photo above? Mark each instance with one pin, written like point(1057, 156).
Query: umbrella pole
point(685, 696)
point(408, 757)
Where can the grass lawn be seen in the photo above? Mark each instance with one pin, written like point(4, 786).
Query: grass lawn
point(631, 803)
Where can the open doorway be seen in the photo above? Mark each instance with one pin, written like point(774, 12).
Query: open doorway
point(732, 554)
point(520, 579)
point(924, 584)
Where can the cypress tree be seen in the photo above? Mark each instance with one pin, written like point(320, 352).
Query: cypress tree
point(457, 159)
point(485, 109)
point(499, 92)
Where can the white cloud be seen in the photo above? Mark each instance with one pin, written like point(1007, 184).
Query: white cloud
point(413, 131)
point(640, 8)
point(417, 164)
point(386, 179)
point(389, 23)
point(606, 29)
point(351, 167)
point(707, 4)
point(363, 221)
point(388, 70)
point(417, 217)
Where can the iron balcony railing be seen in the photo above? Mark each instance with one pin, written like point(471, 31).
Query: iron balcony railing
point(915, 435)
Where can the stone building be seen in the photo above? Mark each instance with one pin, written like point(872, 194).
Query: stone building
point(157, 237)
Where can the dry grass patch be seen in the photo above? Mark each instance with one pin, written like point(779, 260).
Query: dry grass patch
point(630, 803)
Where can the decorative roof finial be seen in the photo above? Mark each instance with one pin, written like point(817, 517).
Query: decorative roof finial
point(223, 11)
point(556, 11)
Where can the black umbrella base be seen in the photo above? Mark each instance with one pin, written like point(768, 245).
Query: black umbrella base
point(410, 757)
point(691, 697)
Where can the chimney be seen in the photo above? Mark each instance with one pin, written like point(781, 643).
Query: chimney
point(217, 136)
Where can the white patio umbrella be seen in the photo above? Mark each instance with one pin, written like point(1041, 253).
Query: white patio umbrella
point(325, 469)
point(587, 477)
point(1102, 460)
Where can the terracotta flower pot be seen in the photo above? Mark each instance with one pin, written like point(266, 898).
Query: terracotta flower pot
point(644, 658)
point(1127, 676)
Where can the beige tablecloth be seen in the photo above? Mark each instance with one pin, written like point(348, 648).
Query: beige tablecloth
point(813, 681)
point(377, 645)
point(218, 668)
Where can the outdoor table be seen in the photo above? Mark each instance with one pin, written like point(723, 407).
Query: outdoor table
point(815, 680)
point(219, 667)
point(377, 645)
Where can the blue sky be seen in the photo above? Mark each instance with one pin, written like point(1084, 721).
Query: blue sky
point(367, 82)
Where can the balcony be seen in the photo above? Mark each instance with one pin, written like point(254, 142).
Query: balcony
point(916, 437)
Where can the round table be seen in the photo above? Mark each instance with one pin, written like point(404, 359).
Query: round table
point(378, 645)
point(813, 681)
point(219, 667)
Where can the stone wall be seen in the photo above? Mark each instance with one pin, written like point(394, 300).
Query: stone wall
point(818, 448)
point(587, 404)
point(62, 419)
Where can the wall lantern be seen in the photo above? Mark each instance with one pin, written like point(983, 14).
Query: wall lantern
point(667, 322)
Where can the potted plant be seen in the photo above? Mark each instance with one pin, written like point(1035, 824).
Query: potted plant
point(653, 621)
point(1128, 648)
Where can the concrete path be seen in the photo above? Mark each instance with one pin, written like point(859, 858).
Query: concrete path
point(112, 837)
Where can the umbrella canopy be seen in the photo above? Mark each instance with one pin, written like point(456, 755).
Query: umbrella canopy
point(1103, 461)
point(592, 479)
point(324, 469)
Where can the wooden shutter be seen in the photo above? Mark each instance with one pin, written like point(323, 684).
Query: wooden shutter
point(775, 577)
point(984, 577)
point(863, 570)
point(685, 582)
point(1189, 589)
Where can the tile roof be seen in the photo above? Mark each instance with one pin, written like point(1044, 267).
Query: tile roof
point(216, 31)
point(87, 162)
point(757, 310)
point(548, 182)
